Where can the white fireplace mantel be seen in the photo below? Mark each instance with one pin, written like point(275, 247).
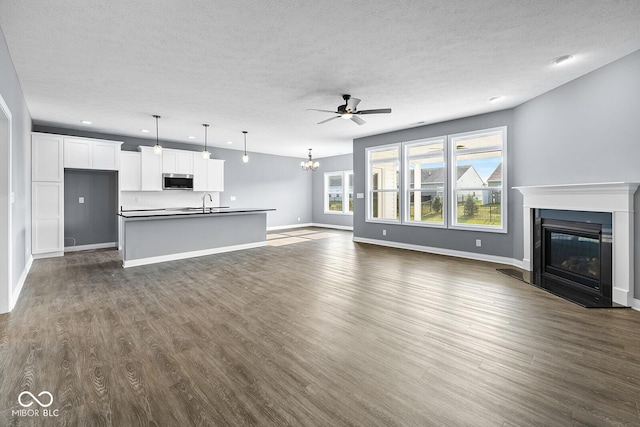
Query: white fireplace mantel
point(614, 197)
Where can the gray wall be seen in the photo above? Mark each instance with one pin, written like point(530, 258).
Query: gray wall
point(20, 233)
point(587, 130)
point(267, 181)
point(329, 164)
point(496, 244)
point(95, 220)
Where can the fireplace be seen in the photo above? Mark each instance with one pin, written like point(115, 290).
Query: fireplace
point(613, 198)
point(573, 255)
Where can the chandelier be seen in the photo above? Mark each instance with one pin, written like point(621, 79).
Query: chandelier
point(309, 165)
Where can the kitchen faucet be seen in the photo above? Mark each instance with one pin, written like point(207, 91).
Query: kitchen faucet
point(203, 197)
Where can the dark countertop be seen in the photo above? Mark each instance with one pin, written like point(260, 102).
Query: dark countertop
point(172, 212)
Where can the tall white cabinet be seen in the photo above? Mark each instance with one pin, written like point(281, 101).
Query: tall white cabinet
point(47, 195)
point(50, 155)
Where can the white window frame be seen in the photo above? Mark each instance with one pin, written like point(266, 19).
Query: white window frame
point(370, 191)
point(345, 192)
point(452, 164)
point(406, 172)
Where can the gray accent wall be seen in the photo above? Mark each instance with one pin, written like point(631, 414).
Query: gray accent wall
point(494, 244)
point(267, 181)
point(329, 164)
point(94, 221)
point(587, 130)
point(19, 163)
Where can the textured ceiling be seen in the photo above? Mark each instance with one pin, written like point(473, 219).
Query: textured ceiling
point(257, 65)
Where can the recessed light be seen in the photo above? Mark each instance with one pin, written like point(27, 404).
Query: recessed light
point(229, 142)
point(495, 98)
point(191, 137)
point(144, 130)
point(562, 59)
point(85, 122)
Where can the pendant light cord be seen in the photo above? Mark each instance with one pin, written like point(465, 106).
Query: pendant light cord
point(157, 117)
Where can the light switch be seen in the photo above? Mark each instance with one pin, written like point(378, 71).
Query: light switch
point(232, 198)
point(359, 195)
point(81, 200)
point(13, 197)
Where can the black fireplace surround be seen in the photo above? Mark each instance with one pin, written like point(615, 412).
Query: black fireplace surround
point(572, 255)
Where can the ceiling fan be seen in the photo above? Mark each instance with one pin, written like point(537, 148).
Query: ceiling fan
point(349, 111)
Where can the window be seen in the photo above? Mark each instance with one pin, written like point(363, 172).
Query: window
point(455, 181)
point(477, 180)
point(338, 191)
point(425, 182)
point(383, 183)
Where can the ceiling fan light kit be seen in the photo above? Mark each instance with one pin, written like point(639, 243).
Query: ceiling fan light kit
point(349, 111)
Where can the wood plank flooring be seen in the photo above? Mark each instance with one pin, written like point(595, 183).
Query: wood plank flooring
point(325, 332)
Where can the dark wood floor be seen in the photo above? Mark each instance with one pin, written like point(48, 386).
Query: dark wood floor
point(324, 332)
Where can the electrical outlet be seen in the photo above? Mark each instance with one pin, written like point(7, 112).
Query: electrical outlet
point(478, 242)
point(80, 199)
point(384, 232)
point(232, 198)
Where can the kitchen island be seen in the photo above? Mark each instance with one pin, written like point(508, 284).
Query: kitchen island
point(152, 236)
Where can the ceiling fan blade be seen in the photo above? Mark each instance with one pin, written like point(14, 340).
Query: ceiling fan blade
point(358, 120)
point(328, 120)
point(323, 111)
point(352, 103)
point(378, 111)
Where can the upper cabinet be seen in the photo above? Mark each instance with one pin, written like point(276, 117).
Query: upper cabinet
point(177, 161)
point(208, 174)
point(150, 169)
point(46, 158)
point(84, 153)
point(129, 176)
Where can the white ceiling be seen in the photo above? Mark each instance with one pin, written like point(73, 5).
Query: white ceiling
point(257, 65)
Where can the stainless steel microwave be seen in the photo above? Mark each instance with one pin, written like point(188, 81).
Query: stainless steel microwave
point(177, 181)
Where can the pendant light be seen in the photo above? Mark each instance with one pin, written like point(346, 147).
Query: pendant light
point(245, 158)
point(205, 154)
point(157, 148)
point(309, 165)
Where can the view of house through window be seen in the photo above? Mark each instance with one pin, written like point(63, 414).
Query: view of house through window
point(478, 186)
point(455, 181)
point(425, 181)
point(384, 183)
point(338, 190)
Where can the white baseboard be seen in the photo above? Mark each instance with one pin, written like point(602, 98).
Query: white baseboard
point(336, 227)
point(48, 255)
point(283, 227)
point(23, 278)
point(192, 254)
point(90, 247)
point(636, 304)
point(442, 251)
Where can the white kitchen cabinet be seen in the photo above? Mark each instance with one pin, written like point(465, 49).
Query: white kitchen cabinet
point(46, 157)
point(215, 175)
point(84, 153)
point(150, 169)
point(208, 174)
point(47, 218)
point(200, 173)
point(177, 161)
point(130, 166)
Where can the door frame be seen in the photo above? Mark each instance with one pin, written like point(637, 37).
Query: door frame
point(6, 306)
